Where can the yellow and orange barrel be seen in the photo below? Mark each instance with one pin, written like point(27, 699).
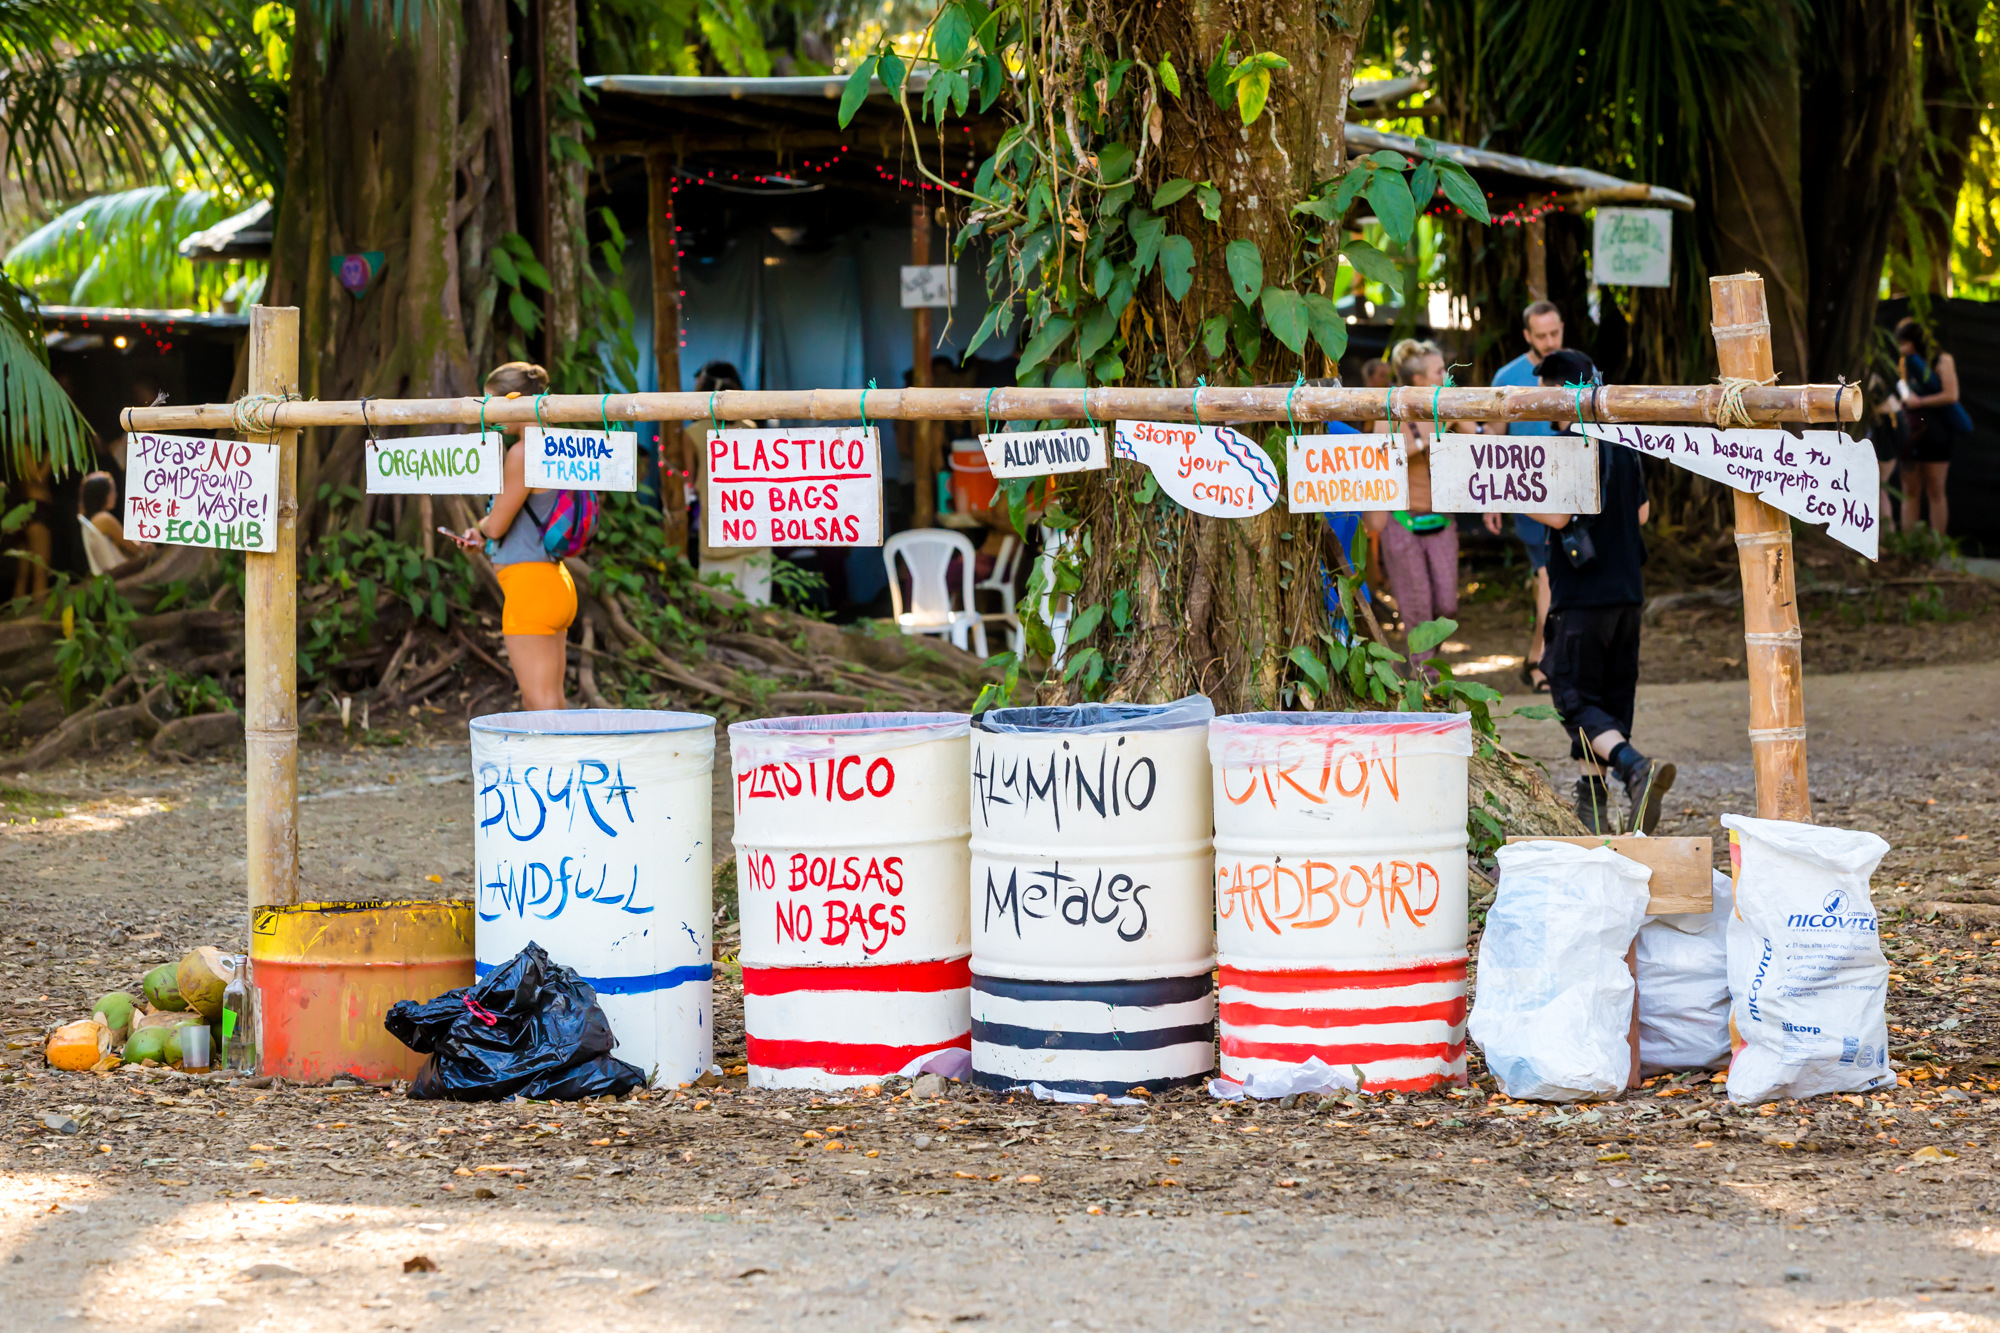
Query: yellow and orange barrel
point(326, 973)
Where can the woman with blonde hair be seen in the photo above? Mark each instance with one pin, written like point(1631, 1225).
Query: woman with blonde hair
point(1419, 547)
point(538, 596)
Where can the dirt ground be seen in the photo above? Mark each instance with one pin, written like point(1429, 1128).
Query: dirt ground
point(150, 1199)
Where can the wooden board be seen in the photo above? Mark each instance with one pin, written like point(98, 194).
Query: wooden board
point(1680, 866)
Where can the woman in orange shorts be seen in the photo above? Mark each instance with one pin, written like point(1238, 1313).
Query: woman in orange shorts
point(539, 596)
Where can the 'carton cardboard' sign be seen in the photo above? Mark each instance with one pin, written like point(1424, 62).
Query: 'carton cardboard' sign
point(1334, 474)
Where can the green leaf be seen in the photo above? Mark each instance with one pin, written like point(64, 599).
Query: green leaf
point(1210, 200)
point(1304, 659)
point(1177, 265)
point(1172, 192)
point(1391, 159)
point(1431, 633)
point(503, 267)
point(1049, 337)
point(1215, 336)
point(1099, 327)
point(1329, 330)
point(1462, 190)
point(952, 35)
point(1372, 263)
point(1100, 281)
point(988, 326)
point(892, 70)
point(1148, 231)
point(1285, 316)
point(1321, 208)
point(1246, 269)
point(1351, 185)
point(1251, 94)
point(1109, 368)
point(1121, 610)
point(1243, 331)
point(1085, 622)
point(856, 91)
point(1539, 712)
point(1170, 78)
point(1113, 161)
point(1265, 61)
point(1394, 209)
point(1424, 184)
point(1121, 292)
point(1218, 73)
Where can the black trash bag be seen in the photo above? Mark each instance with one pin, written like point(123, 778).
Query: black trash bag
point(532, 1028)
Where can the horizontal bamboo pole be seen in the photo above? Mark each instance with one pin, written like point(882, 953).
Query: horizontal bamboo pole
point(1611, 404)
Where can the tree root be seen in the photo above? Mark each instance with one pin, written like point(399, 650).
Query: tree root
point(1517, 793)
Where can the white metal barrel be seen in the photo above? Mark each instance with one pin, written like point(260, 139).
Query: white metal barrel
point(1340, 892)
point(1093, 925)
point(850, 878)
point(591, 837)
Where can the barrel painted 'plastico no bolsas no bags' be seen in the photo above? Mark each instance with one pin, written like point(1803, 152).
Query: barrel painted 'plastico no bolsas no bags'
point(1340, 891)
point(591, 838)
point(1093, 932)
point(851, 880)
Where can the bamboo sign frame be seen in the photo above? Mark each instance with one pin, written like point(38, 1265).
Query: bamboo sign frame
point(273, 412)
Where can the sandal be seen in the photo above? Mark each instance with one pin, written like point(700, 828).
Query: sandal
point(1532, 677)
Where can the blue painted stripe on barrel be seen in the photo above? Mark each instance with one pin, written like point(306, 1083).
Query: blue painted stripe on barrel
point(1088, 1087)
point(1124, 994)
point(1041, 1039)
point(658, 981)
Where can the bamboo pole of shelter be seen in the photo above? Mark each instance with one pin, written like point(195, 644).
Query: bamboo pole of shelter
point(662, 233)
point(1612, 405)
point(270, 651)
point(923, 452)
point(1772, 642)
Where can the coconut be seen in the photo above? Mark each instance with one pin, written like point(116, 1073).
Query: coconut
point(162, 988)
point(79, 1045)
point(149, 1043)
point(162, 1020)
point(202, 977)
point(115, 1011)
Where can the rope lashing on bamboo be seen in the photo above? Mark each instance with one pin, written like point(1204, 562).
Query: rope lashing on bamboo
point(1730, 410)
point(256, 413)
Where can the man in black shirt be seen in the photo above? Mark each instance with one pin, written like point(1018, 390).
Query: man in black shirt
point(1591, 644)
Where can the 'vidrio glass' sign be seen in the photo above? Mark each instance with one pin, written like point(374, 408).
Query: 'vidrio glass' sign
point(1633, 247)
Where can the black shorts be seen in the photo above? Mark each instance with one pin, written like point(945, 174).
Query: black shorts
point(1933, 445)
point(1591, 656)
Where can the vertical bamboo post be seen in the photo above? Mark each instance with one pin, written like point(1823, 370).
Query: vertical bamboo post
point(1535, 234)
point(271, 638)
point(923, 460)
point(663, 234)
point(1772, 642)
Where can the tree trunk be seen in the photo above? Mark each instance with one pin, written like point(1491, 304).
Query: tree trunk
point(565, 257)
point(1216, 604)
point(1949, 31)
point(1856, 103)
point(398, 144)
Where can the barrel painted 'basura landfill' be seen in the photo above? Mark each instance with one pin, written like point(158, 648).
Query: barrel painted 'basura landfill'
point(591, 837)
point(851, 872)
point(1093, 932)
point(1340, 893)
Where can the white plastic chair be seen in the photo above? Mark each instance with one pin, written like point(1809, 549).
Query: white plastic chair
point(1001, 584)
point(927, 553)
point(1054, 542)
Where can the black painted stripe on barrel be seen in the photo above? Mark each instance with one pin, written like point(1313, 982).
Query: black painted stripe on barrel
point(1043, 1039)
point(1088, 1087)
point(1122, 994)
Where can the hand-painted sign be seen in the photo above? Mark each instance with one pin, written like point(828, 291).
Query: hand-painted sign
point(357, 272)
point(1822, 476)
point(1212, 470)
point(1514, 474)
point(795, 487)
point(435, 465)
point(188, 492)
point(1633, 247)
point(933, 286)
point(1327, 474)
point(561, 458)
point(1041, 453)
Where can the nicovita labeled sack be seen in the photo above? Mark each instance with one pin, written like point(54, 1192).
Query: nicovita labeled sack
point(1340, 888)
point(851, 873)
point(1093, 928)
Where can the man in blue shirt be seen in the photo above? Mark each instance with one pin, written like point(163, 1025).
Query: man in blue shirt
point(1542, 325)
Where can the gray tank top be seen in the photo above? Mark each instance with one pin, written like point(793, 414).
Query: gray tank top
point(523, 542)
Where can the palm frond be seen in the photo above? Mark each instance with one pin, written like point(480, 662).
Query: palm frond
point(37, 419)
point(123, 249)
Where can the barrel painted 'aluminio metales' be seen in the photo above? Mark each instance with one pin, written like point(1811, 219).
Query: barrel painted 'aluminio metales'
point(850, 874)
point(591, 838)
point(1340, 893)
point(1092, 918)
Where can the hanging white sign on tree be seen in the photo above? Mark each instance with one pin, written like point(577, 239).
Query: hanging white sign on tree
point(1326, 474)
point(561, 458)
point(221, 494)
point(1042, 453)
point(1822, 476)
point(795, 487)
point(1211, 470)
point(1514, 474)
point(1633, 247)
point(435, 465)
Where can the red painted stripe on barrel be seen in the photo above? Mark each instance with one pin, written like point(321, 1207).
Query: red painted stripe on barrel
point(840, 1057)
point(1327, 979)
point(943, 974)
point(1239, 1014)
point(1352, 1054)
